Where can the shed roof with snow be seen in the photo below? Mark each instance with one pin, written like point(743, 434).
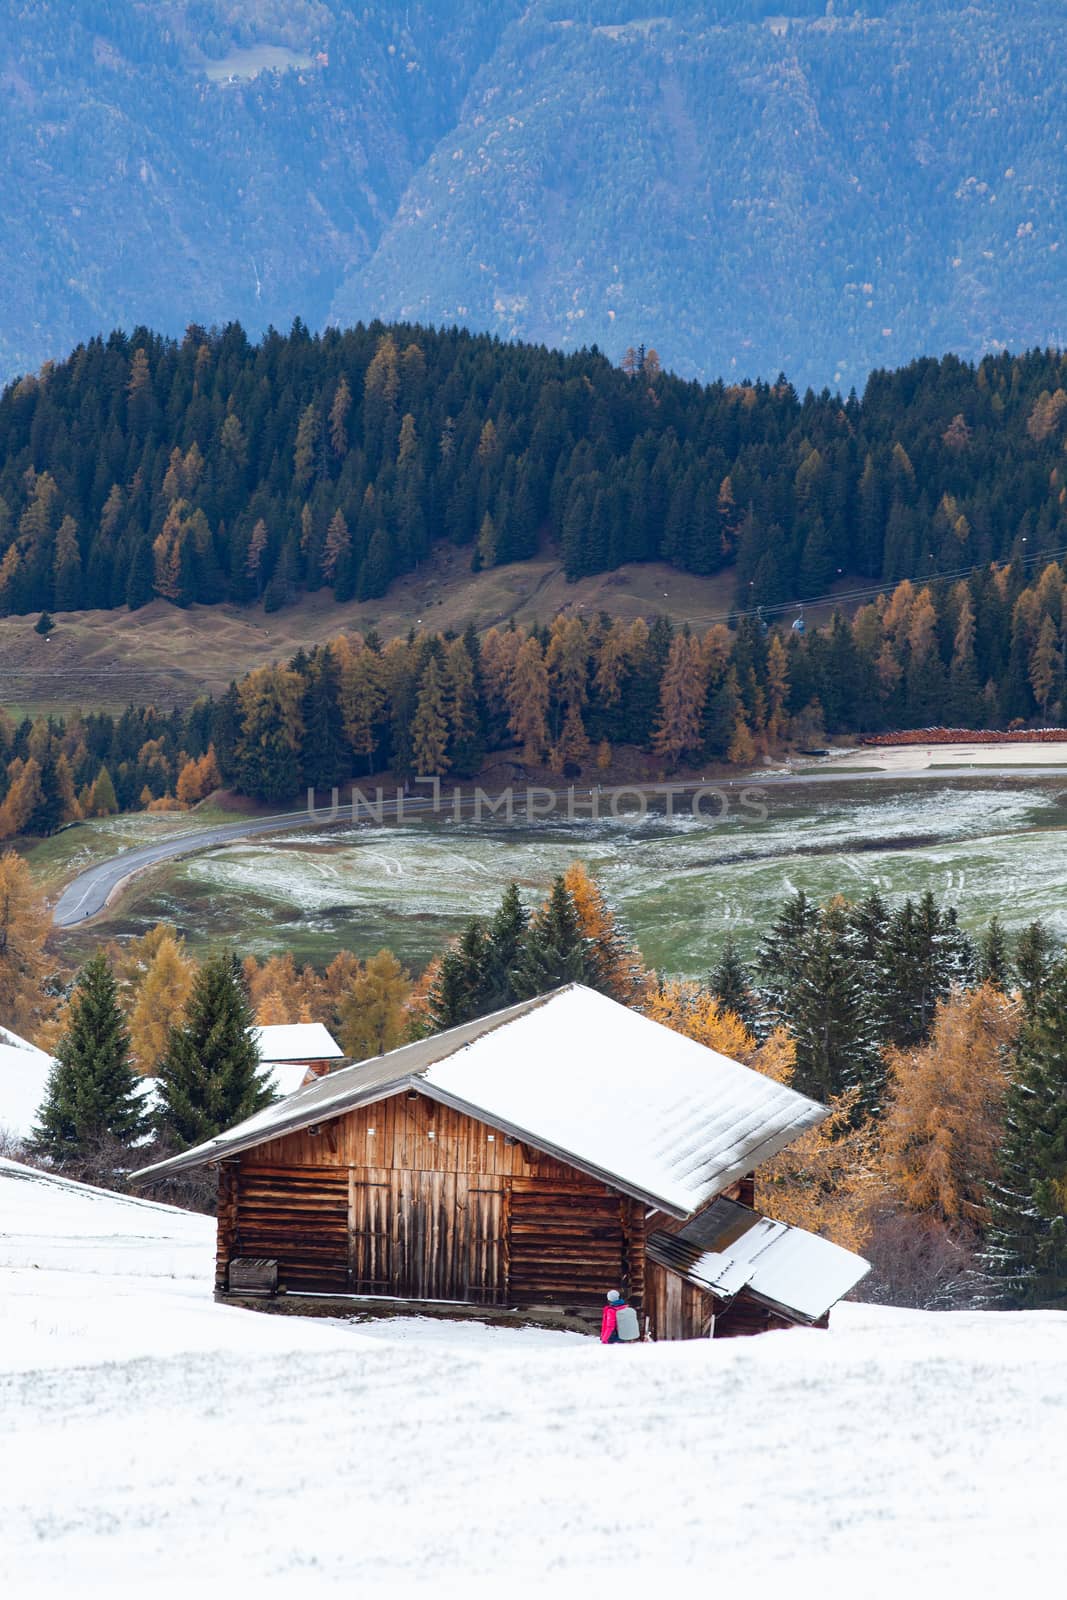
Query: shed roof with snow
point(729, 1248)
point(602, 1088)
point(296, 1042)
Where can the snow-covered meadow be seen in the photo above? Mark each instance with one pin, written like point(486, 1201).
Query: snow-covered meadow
point(152, 1439)
point(680, 885)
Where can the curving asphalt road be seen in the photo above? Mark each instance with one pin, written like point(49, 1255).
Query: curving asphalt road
point(88, 894)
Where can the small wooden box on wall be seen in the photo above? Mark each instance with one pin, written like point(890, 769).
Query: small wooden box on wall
point(251, 1275)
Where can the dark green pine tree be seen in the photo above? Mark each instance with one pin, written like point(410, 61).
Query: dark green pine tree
point(869, 921)
point(927, 953)
point(994, 965)
point(209, 1076)
point(140, 581)
point(554, 950)
point(731, 984)
point(47, 814)
point(460, 991)
point(92, 1099)
point(507, 933)
point(327, 759)
point(1026, 1244)
point(828, 1012)
point(1033, 963)
point(782, 952)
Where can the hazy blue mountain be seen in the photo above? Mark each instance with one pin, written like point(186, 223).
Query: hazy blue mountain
point(746, 191)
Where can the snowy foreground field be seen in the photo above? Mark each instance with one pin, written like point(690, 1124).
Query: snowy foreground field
point(157, 1442)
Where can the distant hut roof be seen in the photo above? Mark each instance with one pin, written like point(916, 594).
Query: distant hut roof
point(580, 1077)
point(729, 1247)
point(297, 1041)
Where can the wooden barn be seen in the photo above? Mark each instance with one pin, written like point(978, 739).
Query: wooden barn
point(527, 1163)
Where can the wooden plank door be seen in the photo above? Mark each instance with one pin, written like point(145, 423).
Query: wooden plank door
point(427, 1235)
point(486, 1248)
point(371, 1237)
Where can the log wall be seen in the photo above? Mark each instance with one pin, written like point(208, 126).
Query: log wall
point(410, 1199)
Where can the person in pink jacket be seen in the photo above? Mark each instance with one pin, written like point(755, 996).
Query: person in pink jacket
point(618, 1324)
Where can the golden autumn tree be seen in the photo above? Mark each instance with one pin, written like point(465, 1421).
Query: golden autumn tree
point(527, 700)
point(22, 798)
point(362, 694)
point(340, 406)
point(272, 727)
point(24, 926)
point(337, 545)
point(198, 778)
point(827, 1180)
point(333, 986)
point(272, 1010)
point(161, 998)
point(741, 751)
point(500, 647)
point(567, 660)
point(777, 688)
point(681, 702)
point(687, 1008)
point(618, 967)
point(287, 989)
point(429, 726)
point(1046, 665)
point(374, 1012)
point(944, 1120)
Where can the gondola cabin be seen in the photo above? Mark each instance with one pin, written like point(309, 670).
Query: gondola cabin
point(524, 1164)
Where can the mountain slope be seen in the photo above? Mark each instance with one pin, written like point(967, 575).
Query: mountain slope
point(819, 196)
point(148, 177)
point(746, 191)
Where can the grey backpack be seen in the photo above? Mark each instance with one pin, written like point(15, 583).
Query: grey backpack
point(626, 1324)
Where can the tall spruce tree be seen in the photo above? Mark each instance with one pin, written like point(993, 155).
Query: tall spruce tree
point(327, 759)
point(1026, 1246)
point(869, 921)
point(1033, 963)
point(731, 984)
point(782, 952)
point(209, 1075)
point(927, 953)
point(994, 965)
point(507, 932)
point(554, 950)
point(92, 1098)
point(827, 1010)
point(460, 991)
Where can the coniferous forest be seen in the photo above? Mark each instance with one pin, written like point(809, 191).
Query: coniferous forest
point(212, 468)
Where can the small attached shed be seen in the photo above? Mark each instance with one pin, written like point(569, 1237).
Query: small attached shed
point(525, 1161)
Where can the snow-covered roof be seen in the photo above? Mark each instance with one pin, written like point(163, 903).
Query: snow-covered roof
point(297, 1041)
point(730, 1247)
point(24, 1073)
point(285, 1077)
point(580, 1077)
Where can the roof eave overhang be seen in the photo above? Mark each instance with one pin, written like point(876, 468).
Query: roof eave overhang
point(209, 1155)
point(206, 1155)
